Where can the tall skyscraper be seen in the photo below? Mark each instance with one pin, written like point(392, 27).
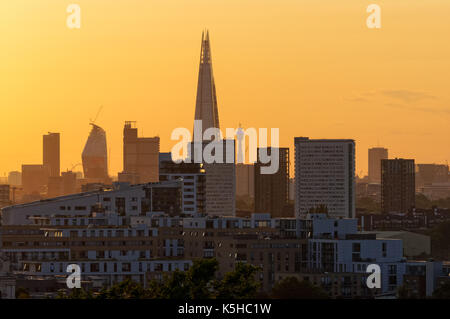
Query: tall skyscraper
point(95, 155)
point(376, 154)
point(140, 155)
point(51, 153)
point(206, 103)
point(397, 185)
point(325, 175)
point(220, 191)
point(272, 190)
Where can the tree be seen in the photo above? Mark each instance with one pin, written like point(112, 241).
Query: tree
point(126, 289)
point(292, 288)
point(238, 284)
point(443, 292)
point(22, 293)
point(440, 240)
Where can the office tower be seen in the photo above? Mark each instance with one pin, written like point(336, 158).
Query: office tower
point(428, 174)
point(95, 155)
point(245, 180)
point(15, 178)
point(376, 154)
point(51, 153)
point(140, 155)
point(397, 185)
point(34, 178)
point(325, 175)
point(272, 190)
point(192, 178)
point(206, 103)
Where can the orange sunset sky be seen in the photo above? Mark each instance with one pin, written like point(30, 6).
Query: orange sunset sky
point(309, 67)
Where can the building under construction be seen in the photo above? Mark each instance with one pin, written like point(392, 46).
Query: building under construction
point(95, 156)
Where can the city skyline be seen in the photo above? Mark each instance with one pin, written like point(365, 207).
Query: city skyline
point(363, 103)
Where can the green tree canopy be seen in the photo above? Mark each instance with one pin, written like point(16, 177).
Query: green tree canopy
point(292, 288)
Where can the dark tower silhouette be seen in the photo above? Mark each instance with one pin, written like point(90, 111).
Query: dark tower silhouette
point(206, 103)
point(51, 153)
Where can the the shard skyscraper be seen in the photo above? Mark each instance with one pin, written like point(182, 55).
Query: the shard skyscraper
point(220, 186)
point(206, 103)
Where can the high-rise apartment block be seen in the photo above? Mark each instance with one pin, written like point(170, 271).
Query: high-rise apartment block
point(376, 154)
point(397, 185)
point(140, 155)
point(325, 176)
point(272, 190)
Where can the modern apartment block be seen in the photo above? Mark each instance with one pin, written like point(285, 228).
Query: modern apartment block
point(51, 153)
point(121, 198)
point(192, 177)
point(140, 155)
point(376, 154)
point(272, 190)
point(397, 185)
point(220, 180)
point(111, 245)
point(325, 175)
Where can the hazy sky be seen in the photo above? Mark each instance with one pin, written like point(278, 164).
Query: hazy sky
point(309, 67)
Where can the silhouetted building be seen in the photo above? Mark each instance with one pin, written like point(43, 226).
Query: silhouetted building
point(272, 190)
point(15, 178)
point(428, 174)
point(63, 185)
point(325, 175)
point(220, 198)
point(51, 153)
point(245, 180)
point(140, 156)
point(34, 178)
point(206, 103)
point(95, 155)
point(376, 154)
point(4, 195)
point(397, 185)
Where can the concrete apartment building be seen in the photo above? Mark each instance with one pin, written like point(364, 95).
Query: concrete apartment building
point(272, 190)
point(397, 185)
point(141, 232)
point(325, 175)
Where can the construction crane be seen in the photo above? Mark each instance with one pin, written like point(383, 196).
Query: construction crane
point(96, 116)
